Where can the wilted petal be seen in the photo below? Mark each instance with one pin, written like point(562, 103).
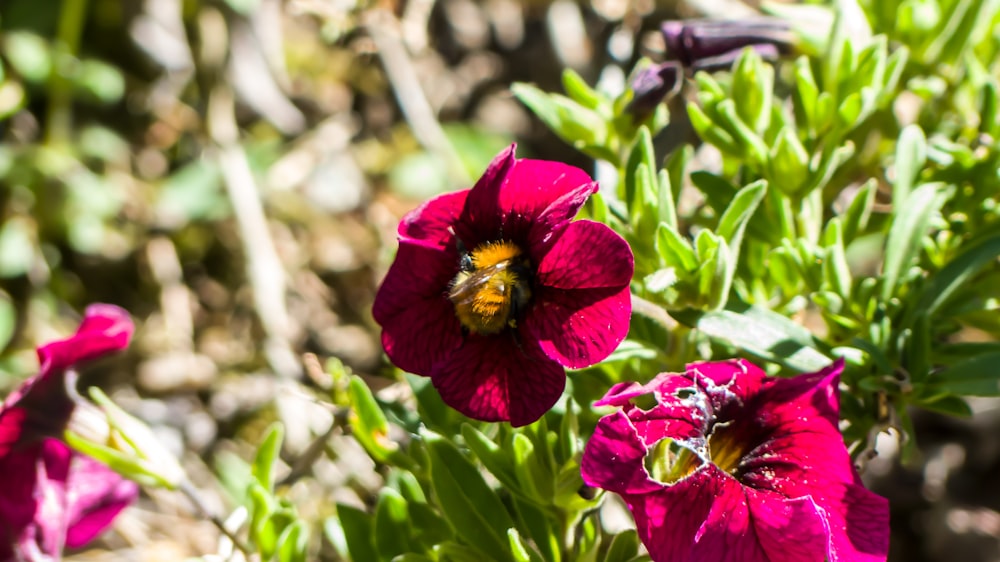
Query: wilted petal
point(781, 484)
point(615, 438)
point(419, 326)
point(493, 378)
point(583, 304)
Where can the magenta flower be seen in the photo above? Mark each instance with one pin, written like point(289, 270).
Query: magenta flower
point(495, 290)
point(730, 465)
point(51, 496)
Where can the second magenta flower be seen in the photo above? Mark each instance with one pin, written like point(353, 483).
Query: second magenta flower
point(495, 290)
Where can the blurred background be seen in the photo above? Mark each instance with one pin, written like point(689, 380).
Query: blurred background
point(232, 173)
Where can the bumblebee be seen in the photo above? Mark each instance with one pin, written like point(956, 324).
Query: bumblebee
point(492, 288)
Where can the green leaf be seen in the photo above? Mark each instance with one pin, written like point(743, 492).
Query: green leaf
point(540, 528)
point(640, 156)
point(29, 54)
point(262, 525)
point(712, 133)
point(433, 529)
point(909, 226)
point(267, 455)
point(676, 168)
point(579, 91)
point(357, 531)
point(858, 212)
point(368, 423)
point(754, 148)
point(738, 213)
point(454, 552)
point(623, 547)
point(675, 250)
point(496, 460)
point(806, 94)
point(523, 552)
point(293, 544)
point(579, 126)
point(975, 376)
point(835, 268)
point(17, 246)
point(753, 81)
point(943, 284)
point(911, 155)
point(392, 524)
point(760, 332)
point(947, 405)
point(665, 204)
point(472, 508)
point(8, 319)
point(789, 162)
point(989, 109)
point(531, 475)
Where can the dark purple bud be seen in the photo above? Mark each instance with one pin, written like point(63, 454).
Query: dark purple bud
point(651, 85)
point(692, 41)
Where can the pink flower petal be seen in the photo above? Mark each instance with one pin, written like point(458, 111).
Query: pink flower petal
point(95, 496)
point(668, 520)
point(793, 493)
point(432, 224)
point(615, 438)
point(419, 325)
point(482, 216)
point(491, 378)
point(524, 200)
point(583, 305)
point(745, 525)
point(105, 328)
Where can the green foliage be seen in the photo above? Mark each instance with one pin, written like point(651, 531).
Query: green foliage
point(883, 230)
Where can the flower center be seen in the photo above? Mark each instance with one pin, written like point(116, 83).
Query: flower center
point(492, 287)
point(726, 448)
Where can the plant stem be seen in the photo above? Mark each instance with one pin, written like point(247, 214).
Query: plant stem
point(59, 119)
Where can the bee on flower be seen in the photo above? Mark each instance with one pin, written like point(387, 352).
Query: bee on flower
point(495, 290)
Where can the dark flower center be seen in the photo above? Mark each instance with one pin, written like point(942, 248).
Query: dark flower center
point(669, 461)
point(492, 288)
point(727, 446)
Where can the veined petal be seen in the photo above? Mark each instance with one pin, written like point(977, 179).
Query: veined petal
point(526, 201)
point(482, 216)
point(745, 525)
point(613, 458)
point(492, 378)
point(583, 304)
point(669, 519)
point(419, 326)
point(432, 224)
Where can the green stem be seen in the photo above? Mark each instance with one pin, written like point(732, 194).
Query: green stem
point(59, 120)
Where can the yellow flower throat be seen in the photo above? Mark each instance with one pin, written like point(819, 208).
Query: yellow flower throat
point(492, 288)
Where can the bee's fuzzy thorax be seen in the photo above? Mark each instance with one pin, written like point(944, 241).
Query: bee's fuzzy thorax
point(493, 253)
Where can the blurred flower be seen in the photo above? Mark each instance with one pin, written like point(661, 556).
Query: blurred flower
point(714, 44)
point(495, 290)
point(732, 465)
point(653, 84)
point(52, 496)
